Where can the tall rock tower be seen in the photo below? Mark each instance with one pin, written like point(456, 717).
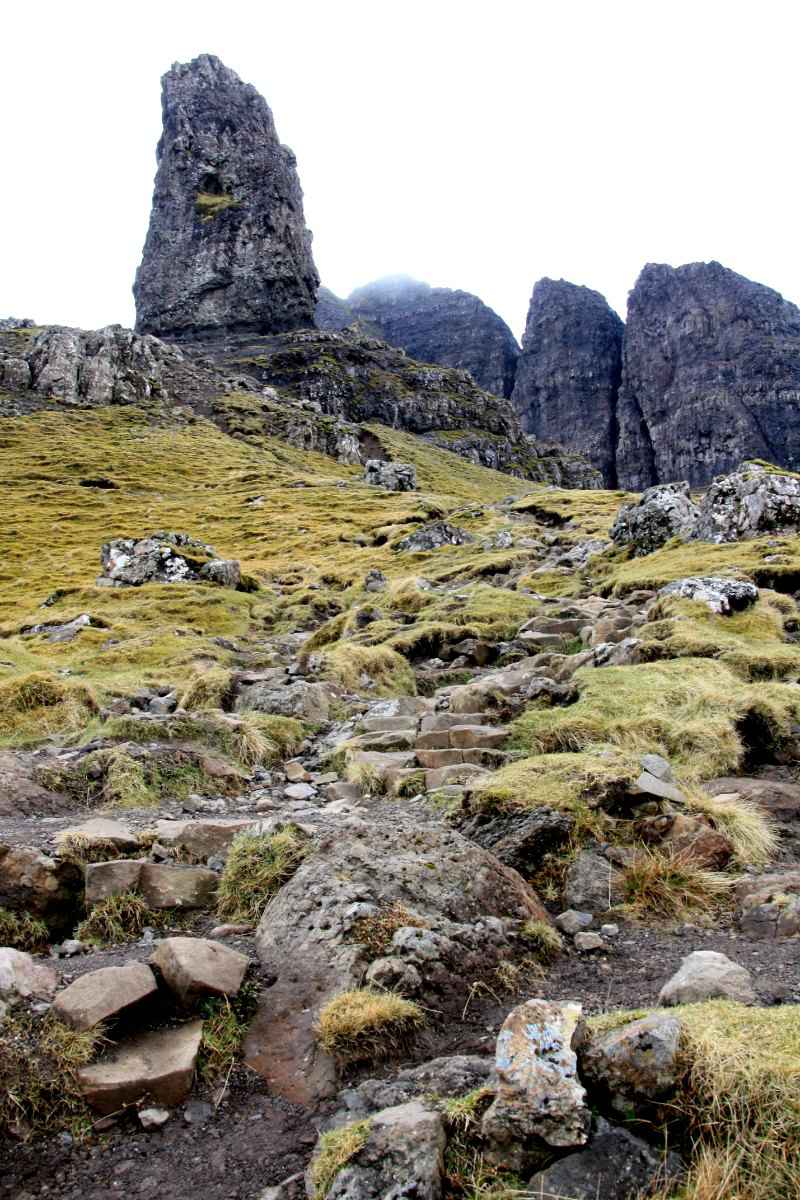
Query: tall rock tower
point(569, 371)
point(710, 376)
point(227, 250)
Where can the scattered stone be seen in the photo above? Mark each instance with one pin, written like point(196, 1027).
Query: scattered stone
point(572, 922)
point(300, 791)
point(201, 839)
point(588, 942)
point(652, 785)
point(538, 1094)
point(721, 595)
point(375, 581)
point(70, 947)
point(104, 994)
point(394, 476)
point(708, 975)
point(295, 772)
point(197, 1112)
point(231, 930)
point(656, 765)
point(609, 931)
point(158, 1065)
point(432, 537)
point(194, 967)
point(22, 976)
point(153, 1118)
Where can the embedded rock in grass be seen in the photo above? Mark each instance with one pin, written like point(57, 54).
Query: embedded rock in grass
point(273, 693)
point(164, 558)
point(707, 975)
point(165, 886)
point(21, 975)
point(724, 596)
point(21, 793)
point(159, 1066)
point(433, 537)
point(539, 1099)
point(104, 879)
point(614, 1166)
point(749, 502)
point(194, 967)
point(227, 249)
point(661, 513)
point(394, 476)
point(571, 921)
point(104, 994)
point(310, 937)
point(402, 1153)
point(635, 1062)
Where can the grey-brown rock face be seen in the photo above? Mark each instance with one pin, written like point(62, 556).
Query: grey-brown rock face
point(227, 248)
point(569, 370)
point(437, 325)
point(711, 376)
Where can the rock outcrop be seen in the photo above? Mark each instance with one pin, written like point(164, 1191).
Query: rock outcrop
point(710, 376)
point(227, 247)
point(569, 371)
point(435, 325)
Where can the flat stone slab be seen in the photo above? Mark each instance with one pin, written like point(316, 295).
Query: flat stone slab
point(166, 886)
point(103, 994)
point(100, 830)
point(204, 838)
point(106, 879)
point(199, 966)
point(158, 1066)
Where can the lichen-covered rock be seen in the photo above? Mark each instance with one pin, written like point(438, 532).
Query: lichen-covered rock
point(164, 558)
point(569, 371)
point(394, 476)
point(227, 248)
point(308, 938)
point(710, 376)
point(440, 325)
point(721, 595)
point(539, 1098)
point(635, 1062)
point(433, 537)
point(708, 975)
point(663, 512)
point(747, 503)
point(403, 1155)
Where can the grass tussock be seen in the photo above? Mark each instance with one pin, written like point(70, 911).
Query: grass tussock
point(39, 1061)
point(742, 560)
point(114, 778)
point(693, 711)
point(119, 919)
point(670, 886)
point(257, 866)
point(741, 1100)
point(22, 931)
point(580, 783)
point(336, 1148)
point(226, 1020)
point(366, 1025)
point(208, 690)
point(250, 740)
point(378, 669)
point(543, 939)
point(751, 832)
point(40, 705)
point(375, 932)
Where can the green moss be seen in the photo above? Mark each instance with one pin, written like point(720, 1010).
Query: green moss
point(209, 205)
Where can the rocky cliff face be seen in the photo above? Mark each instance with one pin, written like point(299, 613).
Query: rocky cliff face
point(227, 247)
point(438, 325)
point(568, 374)
point(711, 376)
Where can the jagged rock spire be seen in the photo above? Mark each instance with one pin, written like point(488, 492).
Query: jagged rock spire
point(227, 249)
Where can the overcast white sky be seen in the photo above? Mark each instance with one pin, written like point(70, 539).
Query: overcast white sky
point(473, 145)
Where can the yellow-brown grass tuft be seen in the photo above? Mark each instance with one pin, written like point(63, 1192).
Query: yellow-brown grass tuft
point(257, 866)
point(670, 885)
point(335, 1150)
point(366, 1026)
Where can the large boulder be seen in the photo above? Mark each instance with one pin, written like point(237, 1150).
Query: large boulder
point(164, 558)
point(751, 501)
point(710, 376)
point(721, 595)
point(227, 249)
point(462, 904)
point(443, 1077)
point(539, 1101)
point(33, 881)
point(439, 325)
point(569, 370)
point(637, 1061)
point(663, 512)
point(394, 476)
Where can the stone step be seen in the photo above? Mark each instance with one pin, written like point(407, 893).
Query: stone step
point(438, 721)
point(433, 759)
point(388, 724)
point(104, 994)
point(456, 773)
point(483, 737)
point(388, 741)
point(159, 1066)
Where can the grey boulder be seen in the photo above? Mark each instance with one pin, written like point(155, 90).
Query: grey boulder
point(708, 975)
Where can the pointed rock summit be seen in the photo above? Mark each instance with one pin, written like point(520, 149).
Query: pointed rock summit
point(569, 371)
point(227, 250)
point(711, 376)
point(437, 325)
